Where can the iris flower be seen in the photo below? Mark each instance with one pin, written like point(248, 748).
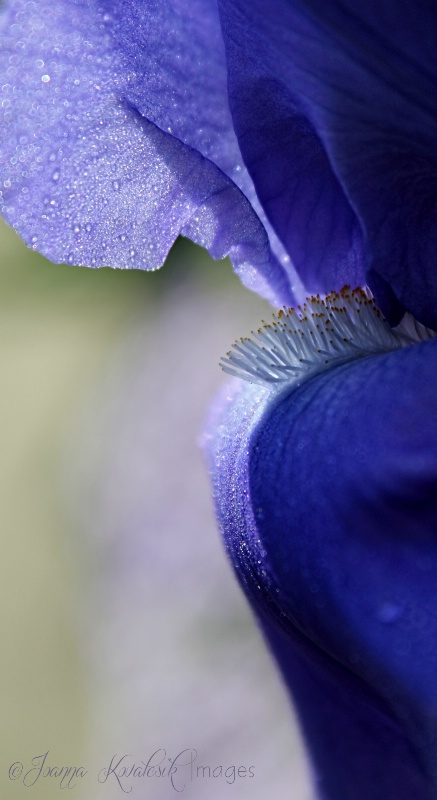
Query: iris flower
point(298, 137)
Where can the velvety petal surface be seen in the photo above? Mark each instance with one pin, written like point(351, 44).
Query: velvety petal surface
point(327, 498)
point(116, 136)
point(335, 108)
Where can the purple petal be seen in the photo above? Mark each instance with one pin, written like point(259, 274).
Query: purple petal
point(117, 137)
point(327, 499)
point(334, 106)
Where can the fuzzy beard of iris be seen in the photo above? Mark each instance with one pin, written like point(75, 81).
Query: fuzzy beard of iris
point(322, 333)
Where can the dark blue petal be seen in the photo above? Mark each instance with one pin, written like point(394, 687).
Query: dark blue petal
point(116, 137)
point(335, 109)
point(327, 497)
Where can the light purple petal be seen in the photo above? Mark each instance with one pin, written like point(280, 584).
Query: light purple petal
point(116, 137)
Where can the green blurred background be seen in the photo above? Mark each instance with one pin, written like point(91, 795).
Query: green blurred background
point(61, 329)
point(58, 327)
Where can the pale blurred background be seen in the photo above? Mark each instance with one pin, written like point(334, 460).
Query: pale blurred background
point(122, 628)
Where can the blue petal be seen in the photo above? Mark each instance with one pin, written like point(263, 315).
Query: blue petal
point(327, 497)
point(335, 109)
point(116, 137)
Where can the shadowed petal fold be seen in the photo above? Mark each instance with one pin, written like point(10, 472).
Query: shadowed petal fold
point(116, 137)
point(335, 108)
point(327, 498)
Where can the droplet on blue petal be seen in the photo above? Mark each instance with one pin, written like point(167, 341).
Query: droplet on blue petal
point(116, 185)
point(55, 175)
point(389, 611)
point(45, 78)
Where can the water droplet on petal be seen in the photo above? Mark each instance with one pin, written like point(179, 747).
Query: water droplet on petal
point(389, 611)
